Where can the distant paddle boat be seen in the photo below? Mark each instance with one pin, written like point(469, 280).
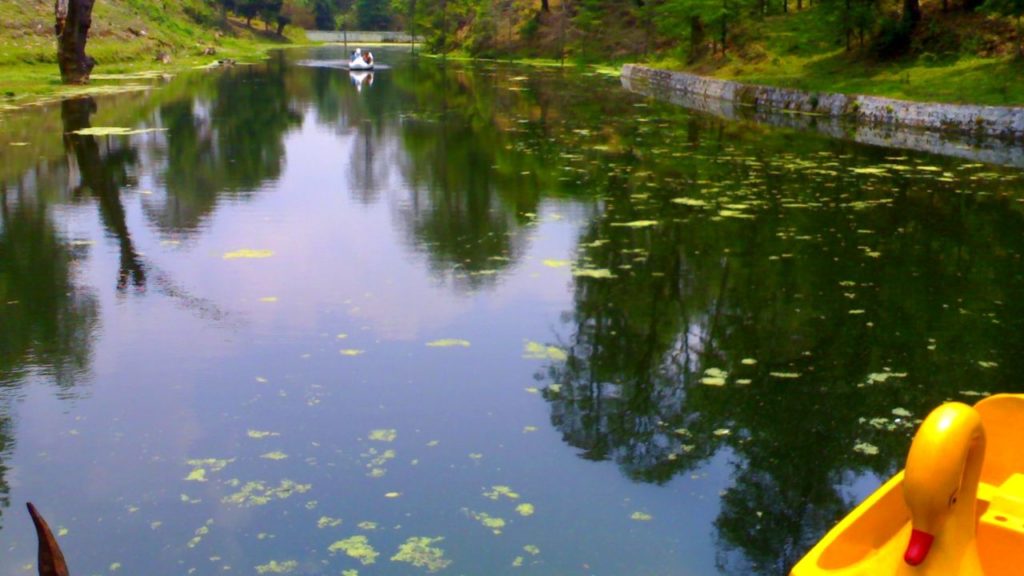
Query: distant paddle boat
point(957, 509)
point(361, 60)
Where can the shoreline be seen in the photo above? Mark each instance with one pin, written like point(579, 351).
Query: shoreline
point(990, 150)
point(39, 83)
point(1001, 122)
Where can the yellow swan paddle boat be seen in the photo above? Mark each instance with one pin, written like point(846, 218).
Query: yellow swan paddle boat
point(957, 509)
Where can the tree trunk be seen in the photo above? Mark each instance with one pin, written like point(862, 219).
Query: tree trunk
point(1020, 41)
point(696, 38)
point(73, 18)
point(912, 11)
point(544, 7)
point(444, 28)
point(725, 33)
point(846, 23)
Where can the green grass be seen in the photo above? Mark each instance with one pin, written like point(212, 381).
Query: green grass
point(125, 38)
point(803, 51)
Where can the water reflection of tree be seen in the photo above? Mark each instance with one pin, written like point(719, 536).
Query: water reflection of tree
point(46, 319)
point(225, 141)
point(104, 172)
point(475, 177)
point(701, 292)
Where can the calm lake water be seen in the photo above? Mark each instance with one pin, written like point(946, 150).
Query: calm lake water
point(307, 323)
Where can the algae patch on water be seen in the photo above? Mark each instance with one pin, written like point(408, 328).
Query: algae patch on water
point(537, 351)
point(496, 492)
point(259, 493)
point(525, 509)
point(328, 522)
point(593, 273)
point(246, 253)
point(420, 552)
point(357, 547)
point(383, 435)
point(275, 567)
point(449, 343)
point(493, 523)
point(114, 131)
point(203, 465)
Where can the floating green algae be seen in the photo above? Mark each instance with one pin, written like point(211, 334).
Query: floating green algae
point(258, 493)
point(383, 435)
point(593, 273)
point(357, 547)
point(496, 492)
point(328, 522)
point(114, 131)
point(201, 466)
point(537, 351)
point(636, 224)
point(714, 377)
point(247, 253)
point(551, 263)
point(866, 448)
point(420, 552)
point(493, 523)
point(275, 567)
point(377, 460)
point(449, 343)
point(525, 509)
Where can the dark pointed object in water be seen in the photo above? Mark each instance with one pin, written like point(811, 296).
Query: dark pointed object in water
point(51, 559)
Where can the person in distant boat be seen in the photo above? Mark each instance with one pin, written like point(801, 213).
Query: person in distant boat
point(368, 57)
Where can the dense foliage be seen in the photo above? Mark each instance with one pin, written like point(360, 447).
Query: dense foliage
point(603, 29)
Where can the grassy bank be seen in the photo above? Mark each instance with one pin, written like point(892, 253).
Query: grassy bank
point(953, 54)
point(131, 40)
point(973, 61)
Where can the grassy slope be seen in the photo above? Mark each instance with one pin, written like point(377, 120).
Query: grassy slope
point(956, 58)
point(126, 36)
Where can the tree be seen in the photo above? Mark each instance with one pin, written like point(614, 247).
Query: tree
point(73, 18)
point(373, 14)
point(911, 12)
point(1013, 8)
point(323, 14)
point(270, 12)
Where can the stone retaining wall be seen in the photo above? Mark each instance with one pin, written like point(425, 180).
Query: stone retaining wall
point(1004, 122)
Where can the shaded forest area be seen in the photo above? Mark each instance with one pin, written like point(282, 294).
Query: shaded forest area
point(689, 30)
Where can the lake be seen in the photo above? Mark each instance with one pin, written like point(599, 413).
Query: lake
point(472, 319)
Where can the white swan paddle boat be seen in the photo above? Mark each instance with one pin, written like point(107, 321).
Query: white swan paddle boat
point(361, 60)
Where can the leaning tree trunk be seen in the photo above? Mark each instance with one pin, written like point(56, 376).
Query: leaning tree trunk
point(73, 19)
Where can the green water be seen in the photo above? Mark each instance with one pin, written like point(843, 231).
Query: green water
point(557, 327)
